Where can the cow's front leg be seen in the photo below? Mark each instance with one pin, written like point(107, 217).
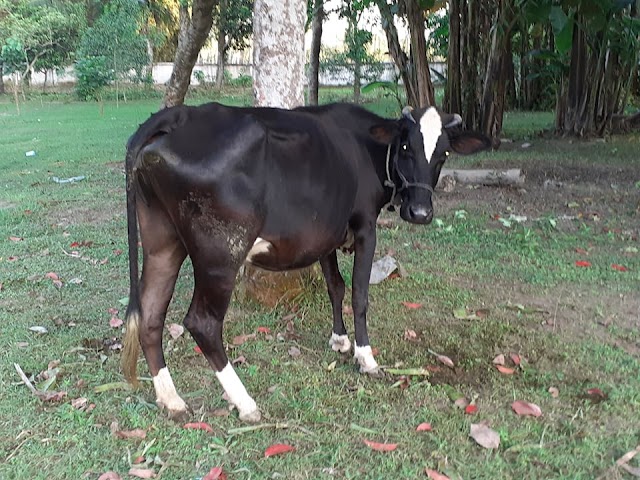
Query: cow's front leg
point(365, 245)
point(213, 288)
point(339, 341)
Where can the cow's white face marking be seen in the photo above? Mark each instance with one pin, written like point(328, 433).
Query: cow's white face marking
point(166, 394)
point(431, 129)
point(339, 343)
point(364, 357)
point(238, 395)
point(260, 246)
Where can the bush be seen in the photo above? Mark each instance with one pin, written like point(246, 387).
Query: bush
point(240, 81)
point(93, 75)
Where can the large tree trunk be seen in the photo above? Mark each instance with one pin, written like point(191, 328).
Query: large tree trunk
point(495, 82)
point(222, 50)
point(453, 91)
point(194, 29)
point(421, 72)
point(278, 81)
point(278, 52)
point(314, 55)
point(395, 51)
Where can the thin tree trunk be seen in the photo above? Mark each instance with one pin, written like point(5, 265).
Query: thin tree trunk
point(357, 79)
point(453, 93)
point(314, 59)
point(278, 52)
point(396, 52)
point(424, 86)
point(222, 53)
point(2, 88)
point(194, 30)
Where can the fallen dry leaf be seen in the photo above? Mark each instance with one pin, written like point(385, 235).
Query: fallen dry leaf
point(515, 358)
point(142, 472)
point(583, 263)
point(620, 268)
point(498, 360)
point(52, 276)
point(526, 408)
point(197, 349)
point(294, 352)
point(15, 239)
point(109, 476)
point(505, 370)
point(115, 322)
point(240, 339)
point(51, 396)
point(380, 447)
point(175, 330)
point(424, 427)
point(410, 335)
point(198, 426)
point(135, 433)
point(445, 360)
point(216, 473)
point(241, 360)
point(433, 475)
point(596, 395)
point(79, 403)
point(484, 436)
point(554, 392)
point(412, 305)
point(265, 330)
point(461, 402)
point(278, 449)
point(471, 409)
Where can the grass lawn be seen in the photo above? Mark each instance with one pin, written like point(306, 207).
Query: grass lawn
point(495, 274)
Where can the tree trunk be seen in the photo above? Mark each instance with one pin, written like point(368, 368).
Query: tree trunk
point(396, 52)
point(314, 55)
point(278, 81)
point(453, 92)
point(357, 79)
point(194, 30)
point(422, 74)
point(278, 52)
point(2, 88)
point(221, 61)
point(510, 177)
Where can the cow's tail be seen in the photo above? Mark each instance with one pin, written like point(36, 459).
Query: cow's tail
point(131, 342)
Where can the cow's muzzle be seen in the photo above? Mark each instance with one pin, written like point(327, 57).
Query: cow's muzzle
point(420, 214)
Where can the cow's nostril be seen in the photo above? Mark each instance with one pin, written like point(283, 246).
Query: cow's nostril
point(420, 213)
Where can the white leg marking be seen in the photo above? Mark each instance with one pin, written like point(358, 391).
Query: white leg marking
point(166, 394)
point(431, 129)
point(339, 343)
point(238, 395)
point(259, 246)
point(364, 357)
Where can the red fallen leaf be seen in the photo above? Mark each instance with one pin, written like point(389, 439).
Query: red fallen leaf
point(581, 251)
point(216, 473)
point(117, 252)
point(197, 349)
point(412, 306)
point(138, 460)
point(115, 322)
point(596, 395)
point(424, 427)
point(109, 476)
point(112, 311)
point(278, 449)
point(52, 276)
point(240, 339)
point(445, 360)
point(12, 258)
point(265, 330)
point(198, 426)
point(505, 370)
point(583, 263)
point(74, 244)
point(142, 472)
point(380, 447)
point(526, 408)
point(620, 268)
point(515, 358)
point(15, 239)
point(470, 409)
point(51, 396)
point(433, 475)
point(136, 433)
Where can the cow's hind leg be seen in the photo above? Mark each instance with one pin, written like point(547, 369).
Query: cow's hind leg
point(163, 255)
point(339, 340)
point(214, 283)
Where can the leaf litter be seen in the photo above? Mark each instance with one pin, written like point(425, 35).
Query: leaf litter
point(484, 436)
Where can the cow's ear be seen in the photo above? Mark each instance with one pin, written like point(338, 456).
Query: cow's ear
point(384, 133)
point(467, 143)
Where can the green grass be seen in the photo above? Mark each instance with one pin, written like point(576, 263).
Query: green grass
point(472, 262)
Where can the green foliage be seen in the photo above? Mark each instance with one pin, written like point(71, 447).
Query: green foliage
point(93, 74)
point(234, 20)
point(12, 54)
point(242, 81)
point(438, 40)
point(116, 37)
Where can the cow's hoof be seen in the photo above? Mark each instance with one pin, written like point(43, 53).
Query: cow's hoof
point(339, 343)
point(373, 372)
point(251, 417)
point(178, 415)
point(364, 357)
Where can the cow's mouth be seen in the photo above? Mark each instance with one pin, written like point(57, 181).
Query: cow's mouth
point(416, 213)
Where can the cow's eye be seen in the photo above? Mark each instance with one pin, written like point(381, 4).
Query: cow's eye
point(447, 153)
point(404, 147)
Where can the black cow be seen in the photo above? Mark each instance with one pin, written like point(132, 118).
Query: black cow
point(281, 189)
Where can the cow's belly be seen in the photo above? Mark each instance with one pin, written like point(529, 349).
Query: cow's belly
point(289, 254)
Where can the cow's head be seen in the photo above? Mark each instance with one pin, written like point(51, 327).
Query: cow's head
point(419, 144)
